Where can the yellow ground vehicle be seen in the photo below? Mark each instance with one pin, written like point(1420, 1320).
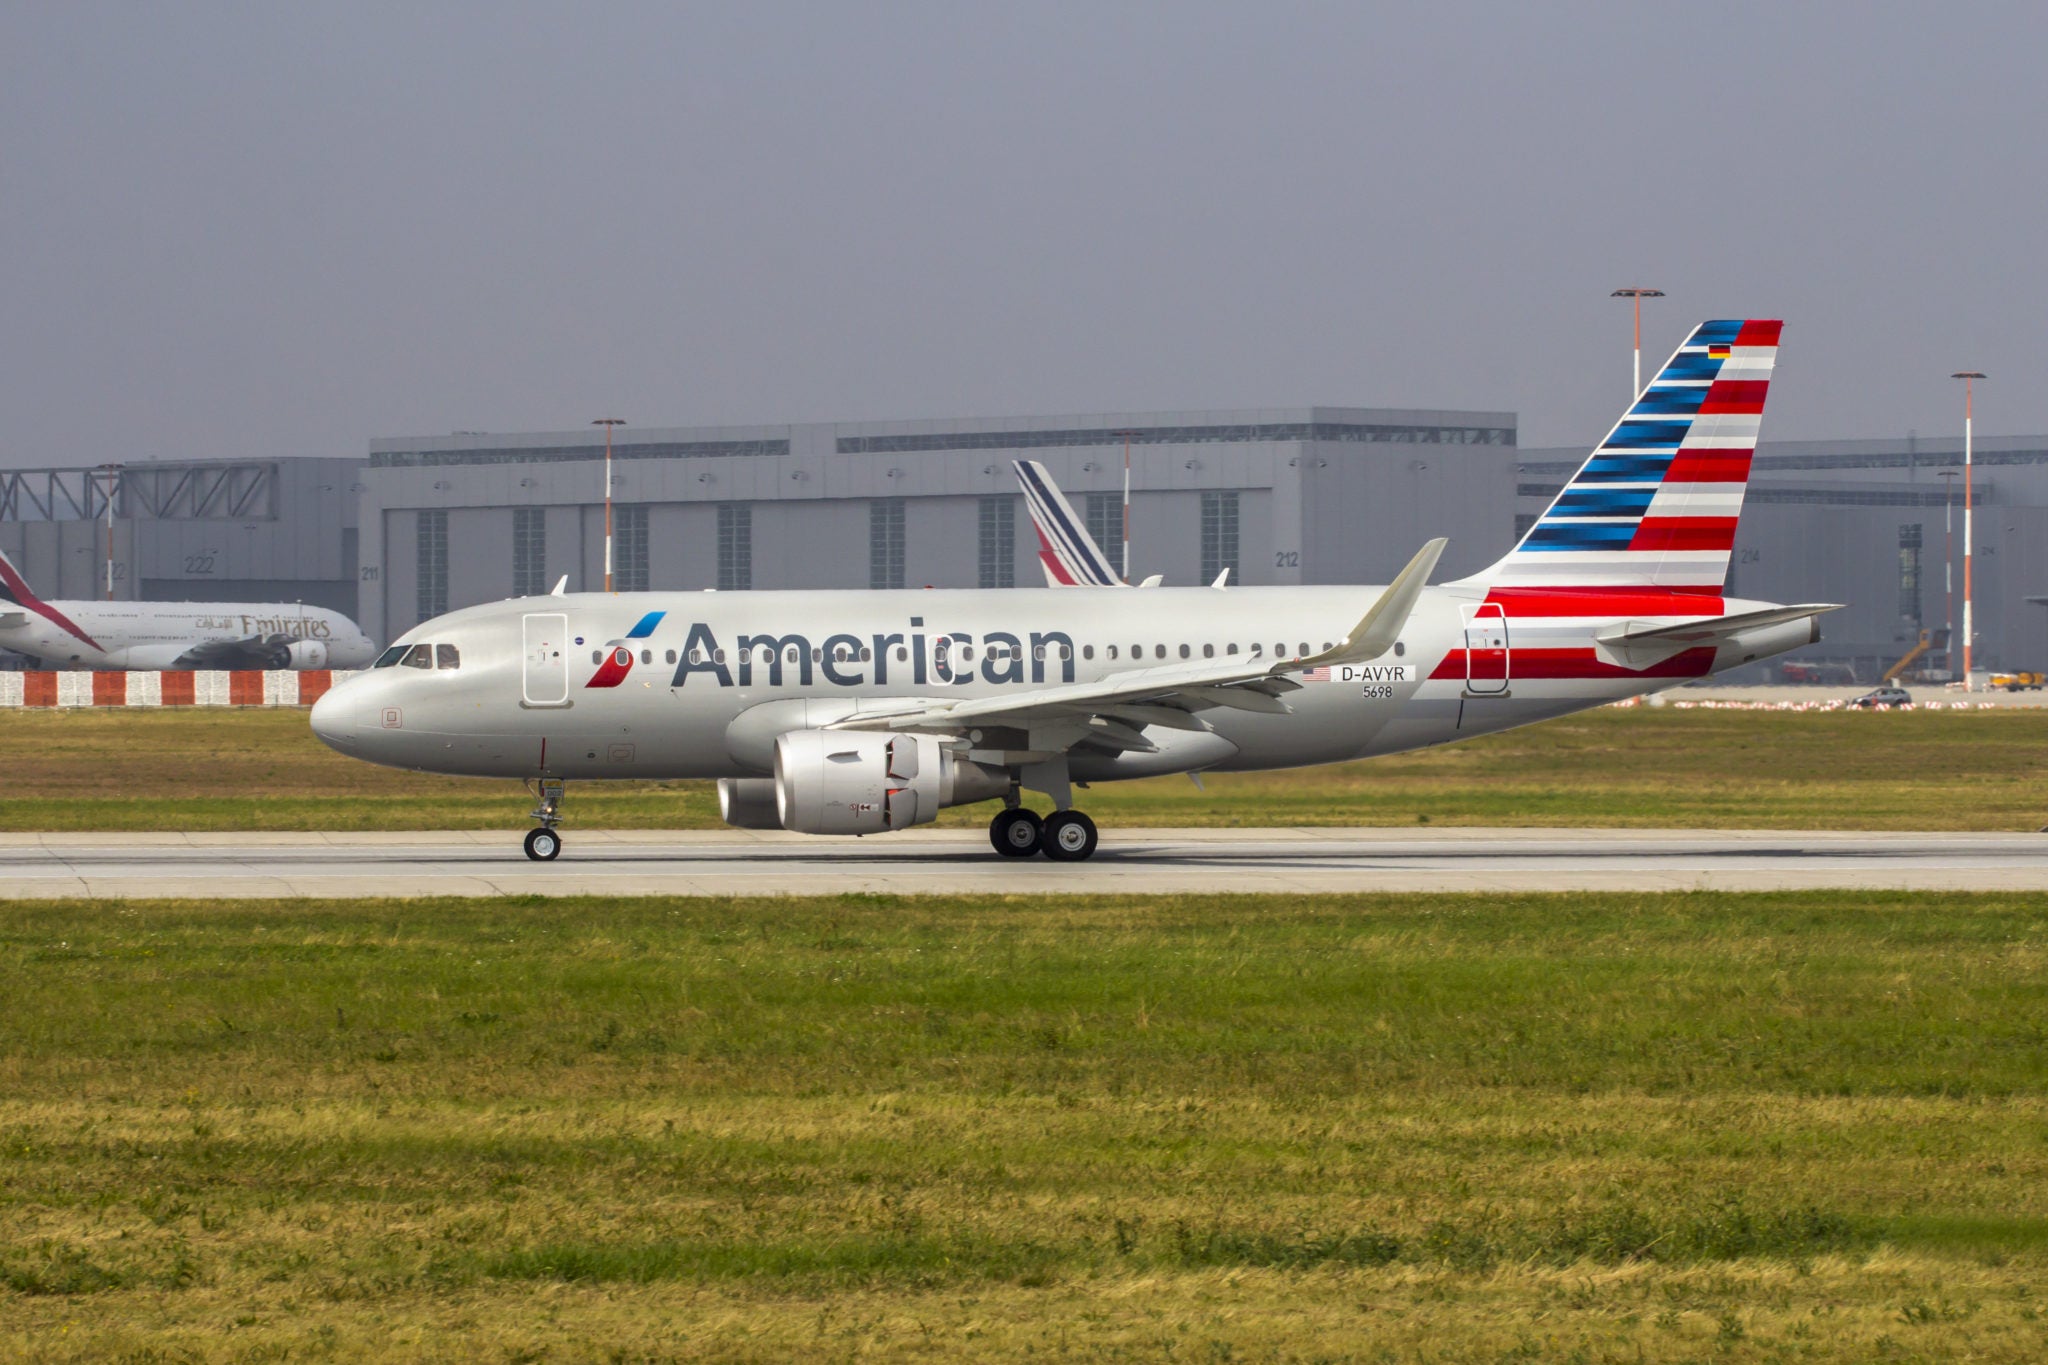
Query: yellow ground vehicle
point(2018, 682)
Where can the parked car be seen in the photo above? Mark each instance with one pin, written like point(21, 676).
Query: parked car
point(1884, 696)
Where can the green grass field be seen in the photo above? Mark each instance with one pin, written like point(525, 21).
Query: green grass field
point(1585, 1128)
point(243, 770)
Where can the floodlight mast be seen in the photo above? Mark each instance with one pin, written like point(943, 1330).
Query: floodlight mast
point(1948, 566)
point(608, 423)
point(1126, 566)
point(112, 474)
point(1637, 296)
point(1969, 378)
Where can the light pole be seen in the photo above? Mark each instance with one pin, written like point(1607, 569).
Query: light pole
point(1637, 296)
point(1948, 566)
point(1126, 567)
point(1969, 378)
point(608, 423)
point(112, 475)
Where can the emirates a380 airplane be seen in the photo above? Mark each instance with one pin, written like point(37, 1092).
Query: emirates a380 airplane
point(153, 635)
point(864, 712)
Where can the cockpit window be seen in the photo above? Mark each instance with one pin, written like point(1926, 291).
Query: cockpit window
point(447, 656)
point(419, 656)
point(389, 657)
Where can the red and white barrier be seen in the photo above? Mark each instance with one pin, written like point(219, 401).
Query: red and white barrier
point(240, 687)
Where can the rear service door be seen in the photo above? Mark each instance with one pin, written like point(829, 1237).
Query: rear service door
point(544, 674)
point(1486, 649)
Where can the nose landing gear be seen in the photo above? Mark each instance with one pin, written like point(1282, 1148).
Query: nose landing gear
point(543, 845)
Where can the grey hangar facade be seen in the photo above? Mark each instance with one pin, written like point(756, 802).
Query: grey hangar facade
point(1277, 496)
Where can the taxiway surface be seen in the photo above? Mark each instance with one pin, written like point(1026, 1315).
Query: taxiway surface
point(960, 861)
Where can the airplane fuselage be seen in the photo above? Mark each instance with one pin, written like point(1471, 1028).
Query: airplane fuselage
point(157, 635)
point(699, 685)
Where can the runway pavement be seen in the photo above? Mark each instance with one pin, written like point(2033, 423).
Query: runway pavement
point(960, 861)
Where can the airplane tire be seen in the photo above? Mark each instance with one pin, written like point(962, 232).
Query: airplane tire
point(1015, 833)
point(1069, 837)
point(543, 844)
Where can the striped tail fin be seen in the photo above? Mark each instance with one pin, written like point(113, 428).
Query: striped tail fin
point(1656, 504)
point(1067, 552)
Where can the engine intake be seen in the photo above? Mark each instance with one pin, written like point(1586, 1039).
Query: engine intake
point(850, 782)
point(304, 654)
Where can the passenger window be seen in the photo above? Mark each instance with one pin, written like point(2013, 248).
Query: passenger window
point(1159, 651)
point(646, 656)
point(864, 654)
point(1256, 650)
point(1183, 651)
point(389, 657)
point(1112, 651)
point(622, 656)
point(1400, 648)
point(1304, 649)
point(718, 656)
point(597, 656)
point(1208, 651)
point(1038, 652)
point(447, 656)
point(671, 657)
point(1087, 651)
point(902, 655)
point(967, 653)
point(816, 654)
point(795, 655)
point(1230, 648)
point(419, 656)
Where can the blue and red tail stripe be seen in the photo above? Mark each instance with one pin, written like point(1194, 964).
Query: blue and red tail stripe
point(1656, 504)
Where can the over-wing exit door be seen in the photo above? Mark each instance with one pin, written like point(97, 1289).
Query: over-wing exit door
point(544, 675)
point(1486, 649)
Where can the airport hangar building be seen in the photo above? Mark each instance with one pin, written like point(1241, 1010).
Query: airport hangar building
point(1303, 495)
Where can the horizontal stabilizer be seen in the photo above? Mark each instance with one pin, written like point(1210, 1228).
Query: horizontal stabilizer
point(1633, 644)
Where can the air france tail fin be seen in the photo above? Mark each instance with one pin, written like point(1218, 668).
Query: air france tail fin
point(1656, 503)
point(1067, 553)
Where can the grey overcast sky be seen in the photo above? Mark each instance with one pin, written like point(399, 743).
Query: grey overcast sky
point(273, 229)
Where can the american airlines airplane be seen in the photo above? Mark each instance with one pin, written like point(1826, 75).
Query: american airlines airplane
point(151, 635)
point(863, 712)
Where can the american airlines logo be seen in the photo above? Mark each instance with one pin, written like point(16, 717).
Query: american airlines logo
point(913, 657)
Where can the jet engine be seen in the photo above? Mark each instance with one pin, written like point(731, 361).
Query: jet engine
point(852, 782)
point(306, 655)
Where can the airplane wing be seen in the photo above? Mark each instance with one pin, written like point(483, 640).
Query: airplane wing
point(1067, 553)
point(255, 651)
point(1635, 646)
point(1115, 710)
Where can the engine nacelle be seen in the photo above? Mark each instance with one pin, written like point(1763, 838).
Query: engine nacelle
point(306, 654)
point(748, 802)
point(853, 782)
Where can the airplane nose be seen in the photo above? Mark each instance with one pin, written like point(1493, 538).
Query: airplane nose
point(334, 719)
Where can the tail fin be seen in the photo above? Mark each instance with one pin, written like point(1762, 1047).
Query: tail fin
point(1656, 503)
point(1067, 552)
point(14, 588)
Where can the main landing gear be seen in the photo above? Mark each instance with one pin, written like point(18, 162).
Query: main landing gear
point(543, 845)
point(1065, 836)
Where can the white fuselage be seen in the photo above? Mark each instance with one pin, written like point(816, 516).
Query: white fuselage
point(158, 635)
point(692, 697)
